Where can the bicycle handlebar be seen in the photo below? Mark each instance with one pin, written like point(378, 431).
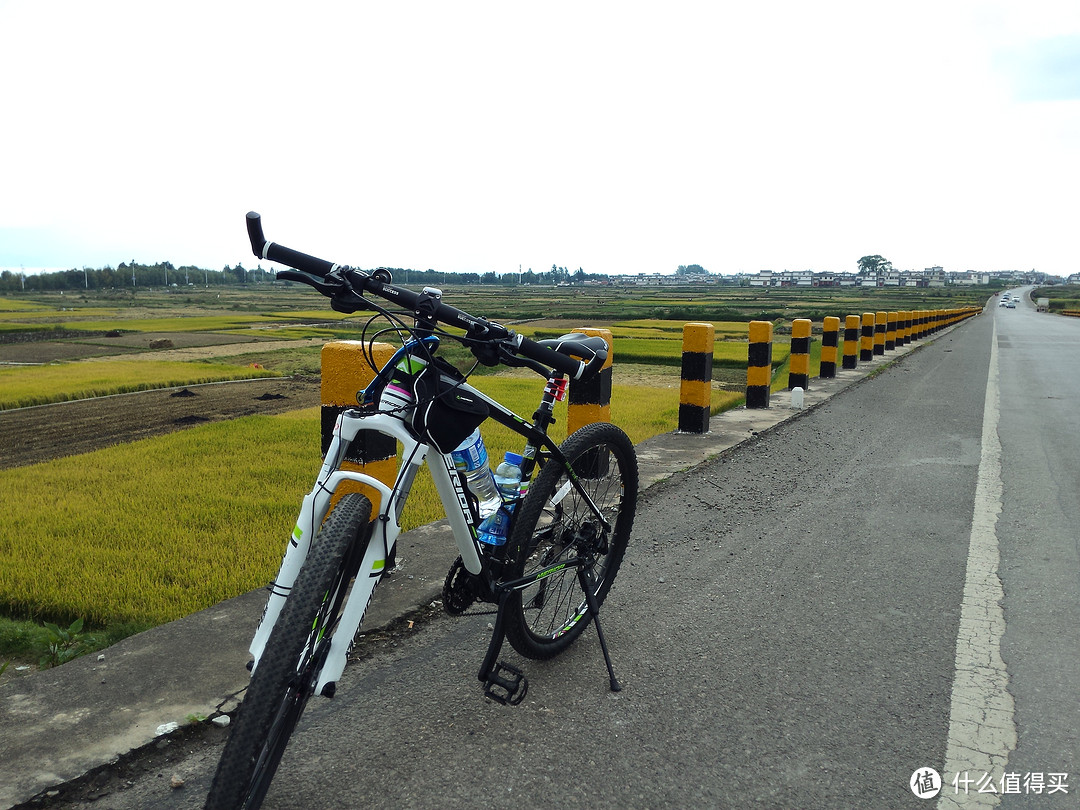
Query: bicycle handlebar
point(345, 297)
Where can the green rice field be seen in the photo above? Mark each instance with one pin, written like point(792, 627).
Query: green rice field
point(148, 531)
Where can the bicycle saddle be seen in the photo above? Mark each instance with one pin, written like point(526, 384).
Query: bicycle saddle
point(592, 349)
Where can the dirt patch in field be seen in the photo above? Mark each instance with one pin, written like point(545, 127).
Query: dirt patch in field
point(46, 432)
point(126, 345)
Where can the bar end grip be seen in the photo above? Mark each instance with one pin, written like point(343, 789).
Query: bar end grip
point(255, 233)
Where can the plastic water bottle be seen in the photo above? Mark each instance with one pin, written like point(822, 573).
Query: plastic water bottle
point(395, 399)
point(471, 458)
point(495, 530)
point(508, 477)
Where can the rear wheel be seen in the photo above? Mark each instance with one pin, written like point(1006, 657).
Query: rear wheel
point(556, 524)
point(289, 667)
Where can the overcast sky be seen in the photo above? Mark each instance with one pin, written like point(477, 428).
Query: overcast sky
point(618, 137)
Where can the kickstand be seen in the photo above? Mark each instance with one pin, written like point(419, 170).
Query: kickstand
point(503, 683)
point(587, 585)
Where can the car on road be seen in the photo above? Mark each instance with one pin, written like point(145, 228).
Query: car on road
point(1010, 304)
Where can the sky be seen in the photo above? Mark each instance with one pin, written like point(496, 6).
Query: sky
point(616, 137)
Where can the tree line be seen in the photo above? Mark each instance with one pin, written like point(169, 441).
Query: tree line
point(131, 275)
point(134, 275)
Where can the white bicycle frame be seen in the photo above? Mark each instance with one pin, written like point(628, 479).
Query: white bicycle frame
point(385, 529)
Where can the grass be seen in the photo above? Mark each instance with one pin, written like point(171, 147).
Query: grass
point(726, 354)
point(23, 386)
point(18, 305)
point(210, 323)
point(29, 641)
point(153, 530)
point(156, 529)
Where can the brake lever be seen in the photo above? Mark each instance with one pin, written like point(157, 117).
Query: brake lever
point(507, 357)
point(312, 281)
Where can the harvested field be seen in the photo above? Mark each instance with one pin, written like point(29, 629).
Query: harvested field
point(30, 435)
point(45, 432)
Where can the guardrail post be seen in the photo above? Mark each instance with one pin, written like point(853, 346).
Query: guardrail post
point(345, 373)
point(866, 340)
point(890, 331)
point(851, 341)
point(759, 365)
point(590, 401)
point(881, 320)
point(830, 340)
point(799, 364)
point(695, 387)
point(903, 328)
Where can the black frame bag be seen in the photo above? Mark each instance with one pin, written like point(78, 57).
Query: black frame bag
point(445, 413)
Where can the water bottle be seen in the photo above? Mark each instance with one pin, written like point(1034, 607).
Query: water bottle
point(508, 478)
point(397, 396)
point(471, 458)
point(396, 399)
point(495, 530)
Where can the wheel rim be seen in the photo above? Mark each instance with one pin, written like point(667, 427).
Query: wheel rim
point(566, 529)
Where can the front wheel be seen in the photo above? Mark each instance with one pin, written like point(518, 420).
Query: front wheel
point(556, 524)
point(289, 667)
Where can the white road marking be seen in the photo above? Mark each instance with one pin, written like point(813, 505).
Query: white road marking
point(982, 727)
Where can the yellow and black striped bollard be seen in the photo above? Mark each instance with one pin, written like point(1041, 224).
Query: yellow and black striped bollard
point(759, 365)
point(851, 341)
point(881, 322)
point(830, 341)
point(890, 331)
point(799, 364)
point(345, 373)
point(866, 341)
point(695, 387)
point(588, 402)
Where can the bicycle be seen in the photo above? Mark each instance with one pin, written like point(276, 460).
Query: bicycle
point(566, 539)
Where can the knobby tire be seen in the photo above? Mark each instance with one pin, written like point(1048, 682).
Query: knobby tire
point(547, 617)
point(288, 669)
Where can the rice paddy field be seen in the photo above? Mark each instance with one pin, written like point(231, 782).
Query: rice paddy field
point(144, 532)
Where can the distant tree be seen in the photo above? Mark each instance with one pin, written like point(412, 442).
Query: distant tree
point(691, 270)
point(873, 265)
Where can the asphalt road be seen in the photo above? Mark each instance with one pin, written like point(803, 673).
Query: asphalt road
point(788, 626)
point(1038, 532)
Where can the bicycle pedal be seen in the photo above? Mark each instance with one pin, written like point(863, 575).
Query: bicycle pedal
point(506, 684)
